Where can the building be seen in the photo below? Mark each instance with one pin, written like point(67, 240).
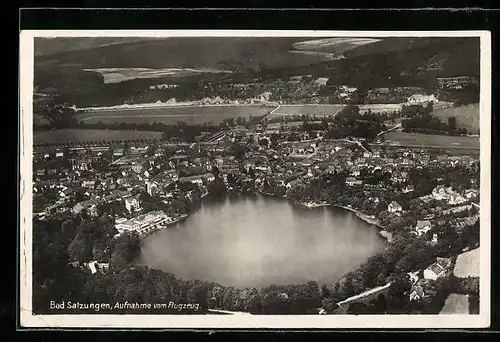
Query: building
point(132, 204)
point(422, 227)
point(421, 99)
point(441, 193)
point(94, 267)
point(152, 188)
point(423, 289)
point(394, 207)
point(144, 223)
point(471, 193)
point(88, 183)
point(137, 168)
point(408, 188)
point(437, 269)
point(198, 179)
point(457, 82)
point(413, 277)
point(351, 181)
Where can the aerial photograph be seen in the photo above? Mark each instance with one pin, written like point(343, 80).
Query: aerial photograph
point(256, 175)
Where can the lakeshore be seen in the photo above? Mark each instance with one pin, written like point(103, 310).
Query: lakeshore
point(362, 216)
point(147, 232)
point(367, 218)
point(252, 241)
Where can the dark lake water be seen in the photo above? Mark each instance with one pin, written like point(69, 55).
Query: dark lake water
point(257, 241)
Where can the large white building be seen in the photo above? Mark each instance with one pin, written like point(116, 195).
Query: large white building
point(420, 99)
point(144, 223)
point(438, 269)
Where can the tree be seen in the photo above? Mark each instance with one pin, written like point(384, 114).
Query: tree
point(217, 188)
point(264, 142)
point(452, 123)
point(80, 248)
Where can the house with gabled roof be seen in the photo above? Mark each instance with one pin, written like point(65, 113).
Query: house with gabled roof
point(437, 269)
point(422, 227)
point(394, 207)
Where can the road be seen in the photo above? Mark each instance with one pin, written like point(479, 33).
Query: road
point(241, 313)
point(275, 109)
point(430, 146)
point(390, 130)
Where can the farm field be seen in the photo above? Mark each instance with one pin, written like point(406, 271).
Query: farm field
point(87, 135)
point(319, 110)
point(467, 116)
point(456, 304)
point(171, 115)
point(277, 125)
point(467, 264)
point(428, 140)
point(117, 75)
point(381, 108)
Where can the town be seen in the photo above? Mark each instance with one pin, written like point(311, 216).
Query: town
point(424, 201)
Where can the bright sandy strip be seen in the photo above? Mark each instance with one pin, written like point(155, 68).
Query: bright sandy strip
point(456, 304)
point(468, 264)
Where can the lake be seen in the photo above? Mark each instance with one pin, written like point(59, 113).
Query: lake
point(253, 241)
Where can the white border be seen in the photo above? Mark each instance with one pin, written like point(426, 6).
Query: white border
point(28, 320)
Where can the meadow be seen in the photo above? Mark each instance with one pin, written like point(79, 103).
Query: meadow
point(467, 116)
point(456, 304)
point(88, 135)
point(467, 264)
point(319, 110)
point(427, 140)
point(171, 115)
point(117, 75)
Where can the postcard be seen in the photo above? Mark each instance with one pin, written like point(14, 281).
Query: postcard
point(223, 179)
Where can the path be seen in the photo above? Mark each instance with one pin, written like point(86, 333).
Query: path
point(275, 109)
point(356, 142)
point(390, 129)
point(364, 297)
point(229, 312)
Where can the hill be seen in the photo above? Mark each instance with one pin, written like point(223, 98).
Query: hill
point(51, 46)
point(238, 54)
point(442, 56)
point(362, 62)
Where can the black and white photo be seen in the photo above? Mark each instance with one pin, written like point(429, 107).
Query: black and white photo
point(255, 179)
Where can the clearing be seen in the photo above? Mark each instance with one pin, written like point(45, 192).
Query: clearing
point(456, 304)
point(117, 75)
point(467, 116)
point(313, 109)
point(429, 140)
point(467, 264)
point(191, 115)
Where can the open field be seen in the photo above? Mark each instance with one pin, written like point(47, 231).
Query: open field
point(87, 135)
point(171, 115)
point(116, 75)
point(456, 304)
point(319, 110)
point(381, 107)
point(428, 140)
point(467, 264)
point(467, 116)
